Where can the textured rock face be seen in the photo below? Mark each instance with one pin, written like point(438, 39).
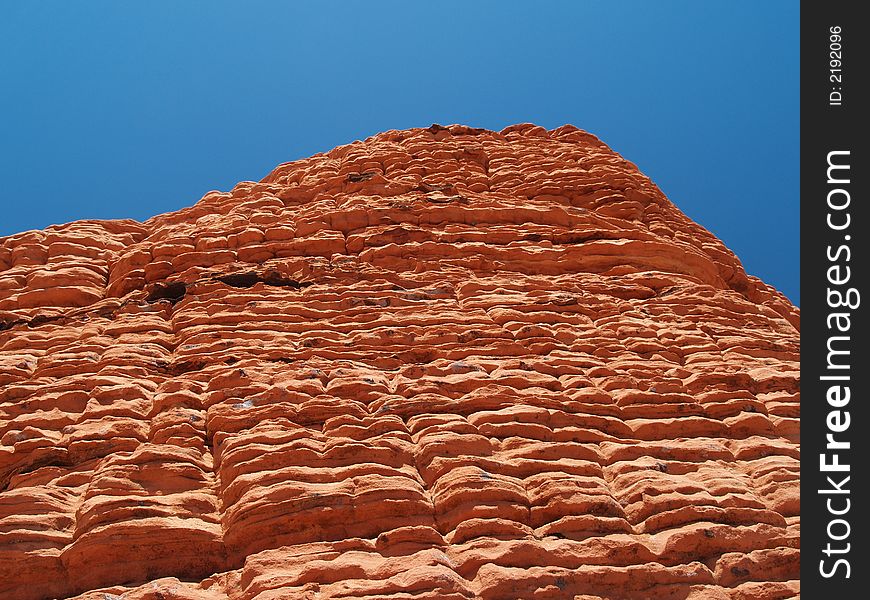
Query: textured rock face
point(440, 363)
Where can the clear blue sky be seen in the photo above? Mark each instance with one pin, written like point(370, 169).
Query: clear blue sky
point(122, 109)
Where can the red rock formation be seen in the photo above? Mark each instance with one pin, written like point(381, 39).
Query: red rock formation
point(440, 363)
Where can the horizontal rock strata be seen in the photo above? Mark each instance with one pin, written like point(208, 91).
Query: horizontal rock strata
point(440, 363)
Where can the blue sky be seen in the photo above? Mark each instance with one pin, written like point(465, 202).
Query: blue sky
point(115, 110)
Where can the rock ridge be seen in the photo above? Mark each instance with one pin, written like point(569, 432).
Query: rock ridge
point(441, 363)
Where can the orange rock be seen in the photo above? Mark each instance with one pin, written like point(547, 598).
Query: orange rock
point(440, 363)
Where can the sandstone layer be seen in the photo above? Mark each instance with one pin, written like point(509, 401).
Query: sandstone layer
point(440, 363)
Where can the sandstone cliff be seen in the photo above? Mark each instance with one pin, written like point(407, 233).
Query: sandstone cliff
point(439, 363)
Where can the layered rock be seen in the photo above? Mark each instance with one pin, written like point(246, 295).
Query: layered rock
point(439, 363)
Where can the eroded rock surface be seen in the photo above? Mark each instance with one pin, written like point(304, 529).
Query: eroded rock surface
point(439, 363)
